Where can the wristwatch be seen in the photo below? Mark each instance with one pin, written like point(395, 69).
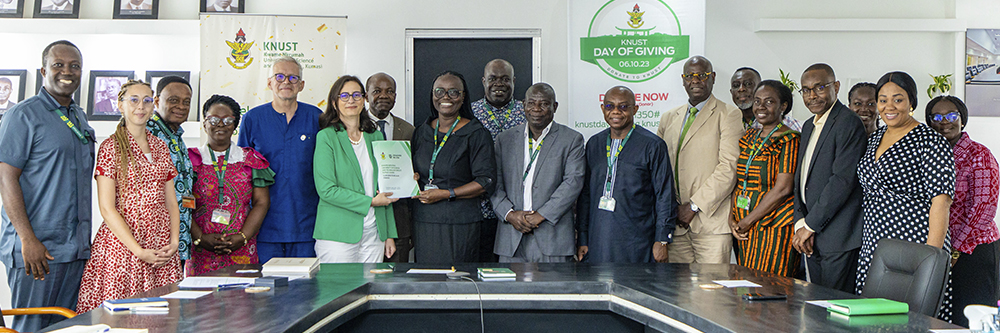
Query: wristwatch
point(451, 196)
point(694, 208)
point(955, 254)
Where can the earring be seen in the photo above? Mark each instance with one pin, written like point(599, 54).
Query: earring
point(911, 113)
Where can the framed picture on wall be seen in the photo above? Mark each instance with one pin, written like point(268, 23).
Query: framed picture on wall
point(153, 77)
point(222, 6)
point(57, 8)
point(102, 101)
point(136, 9)
point(38, 86)
point(12, 8)
point(11, 88)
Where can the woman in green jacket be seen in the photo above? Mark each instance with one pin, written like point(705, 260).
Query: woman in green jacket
point(354, 223)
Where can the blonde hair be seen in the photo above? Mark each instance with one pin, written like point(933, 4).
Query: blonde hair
point(121, 137)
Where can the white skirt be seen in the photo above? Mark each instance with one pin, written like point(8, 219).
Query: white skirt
point(369, 250)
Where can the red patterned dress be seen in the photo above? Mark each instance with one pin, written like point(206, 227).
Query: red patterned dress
point(113, 272)
point(239, 183)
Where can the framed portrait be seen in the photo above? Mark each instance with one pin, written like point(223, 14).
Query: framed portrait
point(38, 86)
point(153, 77)
point(102, 101)
point(136, 9)
point(57, 8)
point(12, 8)
point(11, 88)
point(222, 6)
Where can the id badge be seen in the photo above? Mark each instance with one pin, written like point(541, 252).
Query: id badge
point(430, 187)
point(187, 202)
point(607, 203)
point(743, 202)
point(221, 216)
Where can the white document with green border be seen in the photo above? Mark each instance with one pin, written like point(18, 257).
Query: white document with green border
point(395, 168)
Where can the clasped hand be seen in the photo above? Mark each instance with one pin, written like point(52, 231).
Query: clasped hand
point(222, 244)
point(524, 221)
point(158, 257)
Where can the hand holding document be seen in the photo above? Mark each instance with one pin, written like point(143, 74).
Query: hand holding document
point(395, 168)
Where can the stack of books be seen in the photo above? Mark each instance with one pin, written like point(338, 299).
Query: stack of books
point(290, 267)
point(868, 312)
point(497, 274)
point(137, 305)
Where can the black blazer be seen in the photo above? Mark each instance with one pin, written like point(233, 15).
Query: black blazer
point(832, 205)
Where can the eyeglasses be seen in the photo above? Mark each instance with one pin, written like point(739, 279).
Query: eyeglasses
point(502, 79)
point(697, 76)
point(453, 93)
point(134, 101)
point(806, 91)
point(768, 103)
point(951, 117)
point(357, 95)
point(291, 78)
point(215, 121)
point(746, 84)
point(611, 107)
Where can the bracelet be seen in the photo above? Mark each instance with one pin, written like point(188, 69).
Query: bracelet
point(244, 237)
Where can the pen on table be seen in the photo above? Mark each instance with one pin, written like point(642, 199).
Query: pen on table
point(232, 286)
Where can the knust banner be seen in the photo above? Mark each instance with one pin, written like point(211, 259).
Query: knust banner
point(640, 44)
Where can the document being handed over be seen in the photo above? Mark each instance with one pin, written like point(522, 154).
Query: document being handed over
point(395, 168)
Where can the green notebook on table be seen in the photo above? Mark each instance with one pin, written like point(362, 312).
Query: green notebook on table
point(867, 306)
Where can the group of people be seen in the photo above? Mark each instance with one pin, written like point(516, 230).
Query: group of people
point(499, 181)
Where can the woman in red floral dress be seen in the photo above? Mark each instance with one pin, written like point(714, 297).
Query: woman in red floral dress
point(136, 248)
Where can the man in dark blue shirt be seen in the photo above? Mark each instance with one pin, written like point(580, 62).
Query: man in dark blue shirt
point(46, 167)
point(284, 131)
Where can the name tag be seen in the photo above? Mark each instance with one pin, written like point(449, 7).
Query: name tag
point(743, 202)
point(221, 216)
point(430, 187)
point(187, 202)
point(607, 203)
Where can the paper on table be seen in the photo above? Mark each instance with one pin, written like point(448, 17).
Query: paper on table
point(195, 282)
point(246, 271)
point(429, 271)
point(822, 304)
point(952, 330)
point(737, 283)
point(395, 168)
point(186, 294)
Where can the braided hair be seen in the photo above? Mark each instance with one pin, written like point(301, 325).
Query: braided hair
point(121, 137)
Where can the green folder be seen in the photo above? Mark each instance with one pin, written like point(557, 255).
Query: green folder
point(867, 306)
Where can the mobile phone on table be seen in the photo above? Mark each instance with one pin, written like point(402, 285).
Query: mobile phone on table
point(762, 297)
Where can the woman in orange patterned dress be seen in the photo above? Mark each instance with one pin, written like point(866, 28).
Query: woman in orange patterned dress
point(135, 250)
point(762, 202)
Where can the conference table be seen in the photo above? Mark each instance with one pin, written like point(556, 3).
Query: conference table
point(566, 297)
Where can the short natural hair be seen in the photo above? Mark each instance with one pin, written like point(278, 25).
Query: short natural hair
point(784, 93)
point(6, 80)
point(747, 69)
point(167, 80)
point(291, 60)
point(45, 52)
point(821, 66)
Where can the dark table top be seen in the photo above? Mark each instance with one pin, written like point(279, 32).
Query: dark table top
point(670, 294)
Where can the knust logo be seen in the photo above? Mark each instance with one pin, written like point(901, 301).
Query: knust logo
point(383, 156)
point(240, 57)
point(634, 47)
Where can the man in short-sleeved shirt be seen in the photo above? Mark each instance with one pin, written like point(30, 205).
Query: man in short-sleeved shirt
point(284, 131)
point(45, 181)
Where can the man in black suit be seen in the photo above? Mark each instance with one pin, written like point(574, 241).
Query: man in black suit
point(381, 91)
point(827, 193)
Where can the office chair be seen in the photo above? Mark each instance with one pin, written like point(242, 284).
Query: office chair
point(908, 272)
point(53, 310)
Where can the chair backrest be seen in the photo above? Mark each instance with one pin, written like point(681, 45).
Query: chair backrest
point(908, 272)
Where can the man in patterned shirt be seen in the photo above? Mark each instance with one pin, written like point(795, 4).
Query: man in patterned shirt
point(173, 103)
point(497, 112)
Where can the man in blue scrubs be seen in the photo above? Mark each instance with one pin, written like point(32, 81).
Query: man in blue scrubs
point(284, 131)
point(46, 167)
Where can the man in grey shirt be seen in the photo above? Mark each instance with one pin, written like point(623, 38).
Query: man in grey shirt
point(46, 167)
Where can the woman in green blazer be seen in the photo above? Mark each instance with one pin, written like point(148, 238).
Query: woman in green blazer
point(353, 223)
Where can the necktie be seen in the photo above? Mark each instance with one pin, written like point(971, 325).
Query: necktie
point(692, 112)
point(381, 128)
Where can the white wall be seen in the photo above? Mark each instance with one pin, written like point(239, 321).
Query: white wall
point(375, 39)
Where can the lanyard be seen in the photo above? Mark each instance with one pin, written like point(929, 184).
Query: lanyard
point(220, 172)
point(84, 138)
point(753, 154)
point(434, 157)
point(506, 115)
point(534, 154)
point(164, 128)
point(613, 162)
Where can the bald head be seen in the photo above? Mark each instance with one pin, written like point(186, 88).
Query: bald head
point(539, 107)
point(541, 88)
point(498, 81)
point(620, 91)
point(381, 91)
point(619, 110)
point(699, 78)
point(698, 61)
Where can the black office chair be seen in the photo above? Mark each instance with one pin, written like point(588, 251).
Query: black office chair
point(908, 272)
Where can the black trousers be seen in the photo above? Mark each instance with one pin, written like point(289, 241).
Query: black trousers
point(836, 270)
point(974, 280)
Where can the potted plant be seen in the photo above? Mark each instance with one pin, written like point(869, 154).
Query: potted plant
point(788, 82)
point(941, 85)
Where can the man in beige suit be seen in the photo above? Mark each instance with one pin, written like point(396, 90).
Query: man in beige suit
point(703, 142)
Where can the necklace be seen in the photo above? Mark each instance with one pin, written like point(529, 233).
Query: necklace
point(352, 140)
